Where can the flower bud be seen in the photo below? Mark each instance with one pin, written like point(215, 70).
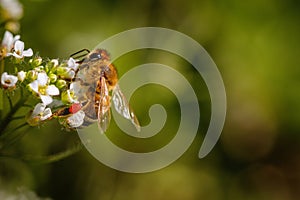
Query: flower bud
point(65, 72)
point(61, 84)
point(31, 75)
point(53, 78)
point(35, 62)
point(52, 65)
point(68, 97)
point(61, 70)
point(21, 75)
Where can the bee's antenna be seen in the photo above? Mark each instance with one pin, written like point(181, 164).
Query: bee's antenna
point(79, 54)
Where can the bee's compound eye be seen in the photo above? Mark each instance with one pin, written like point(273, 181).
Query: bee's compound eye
point(95, 56)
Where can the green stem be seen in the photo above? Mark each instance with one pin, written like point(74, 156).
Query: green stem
point(49, 158)
point(10, 101)
point(8, 138)
point(18, 117)
point(12, 111)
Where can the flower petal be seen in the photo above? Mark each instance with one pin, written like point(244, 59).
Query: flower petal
point(76, 119)
point(46, 114)
point(7, 40)
point(38, 109)
point(19, 46)
point(28, 52)
point(46, 99)
point(55, 62)
point(21, 75)
point(34, 86)
point(3, 77)
point(17, 37)
point(42, 79)
point(52, 90)
point(72, 64)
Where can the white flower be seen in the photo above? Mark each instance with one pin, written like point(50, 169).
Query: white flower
point(21, 75)
point(8, 81)
point(8, 42)
point(41, 87)
point(69, 95)
point(39, 113)
point(19, 51)
point(13, 8)
point(72, 64)
point(76, 119)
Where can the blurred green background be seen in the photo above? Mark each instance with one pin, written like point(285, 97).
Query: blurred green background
point(255, 45)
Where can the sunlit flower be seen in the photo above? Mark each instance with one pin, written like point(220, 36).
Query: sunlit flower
point(21, 75)
point(13, 9)
point(8, 42)
point(76, 119)
point(39, 113)
point(8, 81)
point(41, 87)
point(19, 51)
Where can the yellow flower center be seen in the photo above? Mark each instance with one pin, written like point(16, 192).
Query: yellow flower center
point(42, 90)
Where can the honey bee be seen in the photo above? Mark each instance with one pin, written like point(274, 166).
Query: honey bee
point(98, 81)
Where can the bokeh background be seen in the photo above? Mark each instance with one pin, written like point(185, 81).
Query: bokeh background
point(255, 45)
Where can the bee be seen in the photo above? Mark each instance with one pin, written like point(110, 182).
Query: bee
point(97, 78)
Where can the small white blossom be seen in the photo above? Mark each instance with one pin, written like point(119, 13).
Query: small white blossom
point(73, 64)
point(13, 8)
point(39, 113)
point(21, 75)
point(19, 51)
point(8, 41)
point(41, 87)
point(8, 81)
point(76, 119)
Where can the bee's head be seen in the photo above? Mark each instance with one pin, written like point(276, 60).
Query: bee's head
point(98, 54)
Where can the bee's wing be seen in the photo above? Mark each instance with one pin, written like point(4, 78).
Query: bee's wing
point(103, 107)
point(123, 108)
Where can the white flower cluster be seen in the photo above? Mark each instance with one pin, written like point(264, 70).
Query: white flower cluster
point(50, 81)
